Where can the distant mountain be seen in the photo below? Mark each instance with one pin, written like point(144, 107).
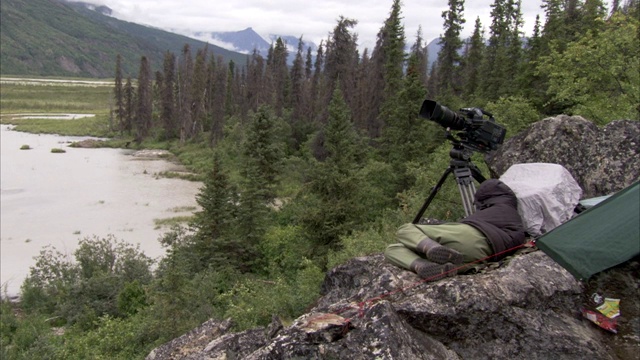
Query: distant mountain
point(59, 38)
point(243, 41)
point(433, 48)
point(247, 40)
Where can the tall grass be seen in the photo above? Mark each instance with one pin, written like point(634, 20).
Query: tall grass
point(57, 98)
point(52, 98)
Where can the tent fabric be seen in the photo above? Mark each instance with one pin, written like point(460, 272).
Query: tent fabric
point(601, 237)
point(547, 195)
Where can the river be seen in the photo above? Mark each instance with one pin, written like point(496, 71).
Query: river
point(59, 198)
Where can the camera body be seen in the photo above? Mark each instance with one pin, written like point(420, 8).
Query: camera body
point(476, 132)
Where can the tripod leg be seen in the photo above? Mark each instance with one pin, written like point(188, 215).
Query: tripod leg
point(466, 193)
point(467, 188)
point(476, 173)
point(432, 195)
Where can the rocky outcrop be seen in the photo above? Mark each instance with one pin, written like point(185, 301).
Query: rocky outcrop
point(602, 160)
point(528, 309)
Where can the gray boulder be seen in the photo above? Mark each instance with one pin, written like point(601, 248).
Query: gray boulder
point(528, 309)
point(602, 160)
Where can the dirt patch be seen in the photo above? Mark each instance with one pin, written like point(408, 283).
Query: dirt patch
point(152, 154)
point(88, 144)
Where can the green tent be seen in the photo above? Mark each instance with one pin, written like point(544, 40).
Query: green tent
point(601, 237)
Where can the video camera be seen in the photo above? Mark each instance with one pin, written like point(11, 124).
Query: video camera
point(476, 133)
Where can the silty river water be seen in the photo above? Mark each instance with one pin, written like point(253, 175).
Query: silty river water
point(59, 198)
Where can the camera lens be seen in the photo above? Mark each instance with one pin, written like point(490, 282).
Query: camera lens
point(442, 115)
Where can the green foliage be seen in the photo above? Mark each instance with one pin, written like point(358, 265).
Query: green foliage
point(285, 248)
point(513, 112)
point(132, 298)
point(331, 208)
point(82, 291)
point(111, 338)
point(252, 302)
point(370, 240)
point(263, 150)
point(27, 336)
point(449, 58)
point(214, 240)
point(597, 76)
point(262, 153)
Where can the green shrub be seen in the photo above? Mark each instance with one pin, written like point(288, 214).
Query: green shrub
point(26, 337)
point(25, 147)
point(284, 249)
point(58, 151)
point(113, 338)
point(514, 112)
point(132, 298)
point(369, 241)
point(253, 301)
point(83, 290)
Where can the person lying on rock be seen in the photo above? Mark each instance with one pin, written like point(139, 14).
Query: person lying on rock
point(435, 251)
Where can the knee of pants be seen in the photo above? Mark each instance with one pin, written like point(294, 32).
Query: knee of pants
point(393, 247)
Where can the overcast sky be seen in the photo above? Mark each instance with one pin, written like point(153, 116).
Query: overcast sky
point(313, 20)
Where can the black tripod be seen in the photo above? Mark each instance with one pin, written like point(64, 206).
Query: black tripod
point(464, 170)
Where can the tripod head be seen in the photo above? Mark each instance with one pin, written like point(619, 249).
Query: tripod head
point(464, 171)
point(461, 151)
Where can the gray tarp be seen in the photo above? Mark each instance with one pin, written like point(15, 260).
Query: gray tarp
point(547, 195)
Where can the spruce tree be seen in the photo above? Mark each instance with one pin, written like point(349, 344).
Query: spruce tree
point(532, 84)
point(449, 58)
point(218, 96)
point(473, 57)
point(118, 94)
point(514, 45)
point(262, 157)
point(419, 50)
point(331, 208)
point(341, 62)
point(129, 105)
point(391, 44)
point(363, 109)
point(317, 86)
point(503, 58)
point(144, 106)
point(214, 242)
point(299, 98)
point(229, 100)
point(168, 105)
point(593, 14)
point(279, 73)
point(185, 80)
point(255, 81)
point(407, 137)
point(198, 94)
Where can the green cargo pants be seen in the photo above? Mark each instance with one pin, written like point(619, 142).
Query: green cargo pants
point(461, 237)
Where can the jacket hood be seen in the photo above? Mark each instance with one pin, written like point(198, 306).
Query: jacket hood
point(492, 192)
